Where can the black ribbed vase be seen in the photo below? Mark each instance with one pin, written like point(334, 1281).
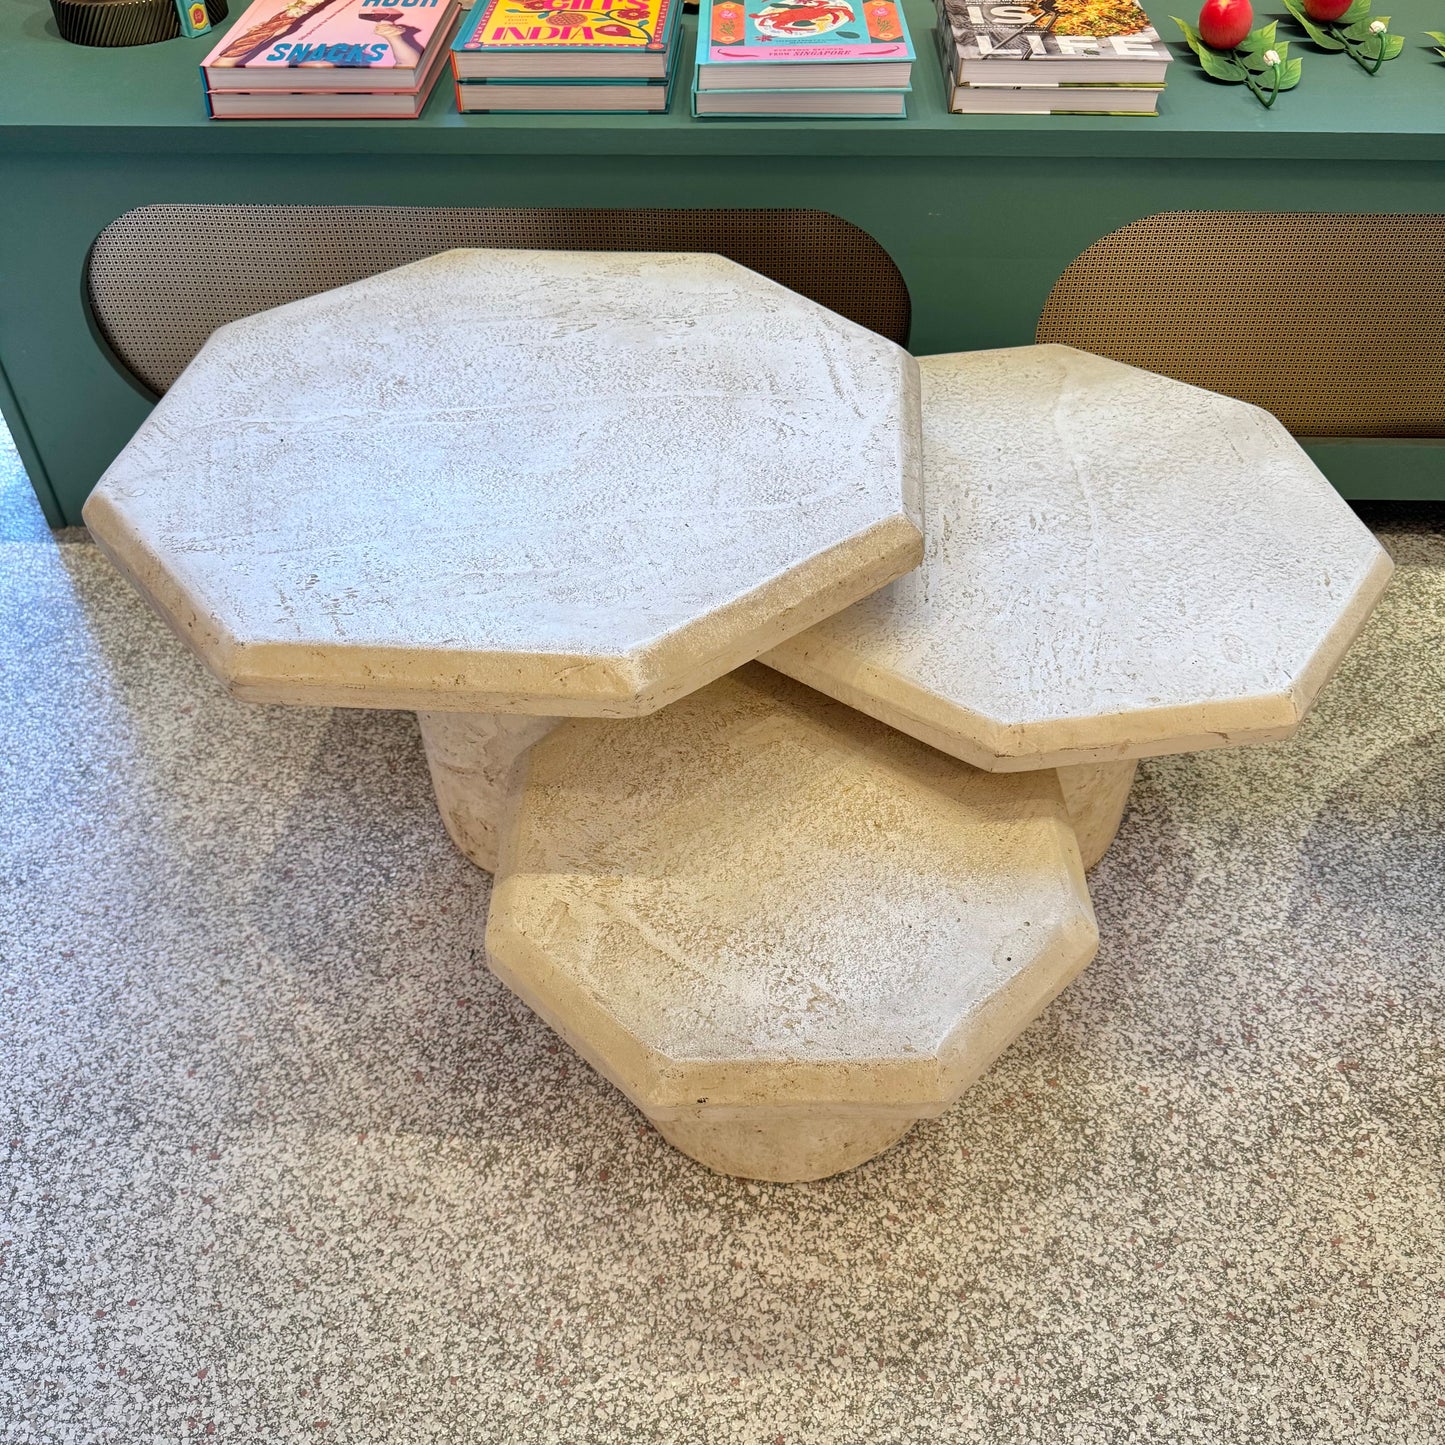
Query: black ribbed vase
point(123, 22)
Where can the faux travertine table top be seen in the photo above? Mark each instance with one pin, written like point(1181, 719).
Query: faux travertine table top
point(759, 897)
point(518, 481)
point(1118, 565)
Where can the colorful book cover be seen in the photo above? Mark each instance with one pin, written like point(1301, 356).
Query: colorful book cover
point(570, 25)
point(276, 36)
point(1053, 30)
point(794, 31)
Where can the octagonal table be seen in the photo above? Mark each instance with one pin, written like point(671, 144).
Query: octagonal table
point(498, 483)
point(1118, 565)
point(785, 931)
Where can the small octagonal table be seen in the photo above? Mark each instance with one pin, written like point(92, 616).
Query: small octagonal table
point(783, 930)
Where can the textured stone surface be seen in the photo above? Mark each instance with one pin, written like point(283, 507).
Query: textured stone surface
point(784, 931)
point(1118, 566)
point(280, 1158)
point(518, 481)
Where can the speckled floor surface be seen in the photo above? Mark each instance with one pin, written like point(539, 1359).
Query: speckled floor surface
point(279, 1160)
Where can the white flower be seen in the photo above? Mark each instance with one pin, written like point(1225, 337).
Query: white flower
point(1378, 27)
point(1271, 57)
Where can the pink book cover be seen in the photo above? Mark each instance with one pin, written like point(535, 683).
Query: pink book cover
point(320, 104)
point(289, 44)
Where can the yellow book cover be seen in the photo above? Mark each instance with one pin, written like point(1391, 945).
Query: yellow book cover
point(577, 25)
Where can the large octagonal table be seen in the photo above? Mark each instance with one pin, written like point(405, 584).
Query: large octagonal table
point(503, 486)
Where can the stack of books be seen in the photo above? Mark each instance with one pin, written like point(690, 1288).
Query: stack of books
point(1059, 57)
point(796, 58)
point(552, 55)
point(329, 60)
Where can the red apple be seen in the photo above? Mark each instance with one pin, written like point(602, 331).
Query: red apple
point(1325, 9)
point(1223, 24)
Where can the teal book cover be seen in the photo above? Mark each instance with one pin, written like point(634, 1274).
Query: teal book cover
point(793, 32)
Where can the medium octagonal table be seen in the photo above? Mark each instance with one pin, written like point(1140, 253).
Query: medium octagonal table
point(1118, 566)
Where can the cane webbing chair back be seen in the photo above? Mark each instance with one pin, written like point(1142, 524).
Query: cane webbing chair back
point(1335, 323)
point(162, 278)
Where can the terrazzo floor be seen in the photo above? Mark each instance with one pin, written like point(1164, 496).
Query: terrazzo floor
point(279, 1160)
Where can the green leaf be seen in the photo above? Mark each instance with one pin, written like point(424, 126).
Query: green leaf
point(1259, 40)
point(1360, 30)
point(1221, 67)
point(1438, 35)
point(1321, 37)
point(1191, 36)
point(1394, 44)
point(1289, 74)
point(1358, 11)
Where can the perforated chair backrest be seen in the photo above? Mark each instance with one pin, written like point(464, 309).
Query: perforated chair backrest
point(1336, 323)
point(162, 278)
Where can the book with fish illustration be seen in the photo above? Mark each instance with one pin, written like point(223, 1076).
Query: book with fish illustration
point(792, 45)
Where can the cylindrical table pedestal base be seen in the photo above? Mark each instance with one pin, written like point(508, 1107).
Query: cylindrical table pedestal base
point(1096, 794)
point(786, 1145)
point(471, 756)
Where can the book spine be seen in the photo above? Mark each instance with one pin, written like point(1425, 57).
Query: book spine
point(882, 20)
point(728, 23)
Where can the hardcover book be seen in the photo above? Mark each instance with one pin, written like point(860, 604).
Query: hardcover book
point(338, 46)
point(567, 39)
point(1070, 39)
point(793, 45)
point(866, 104)
point(1055, 100)
point(613, 97)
